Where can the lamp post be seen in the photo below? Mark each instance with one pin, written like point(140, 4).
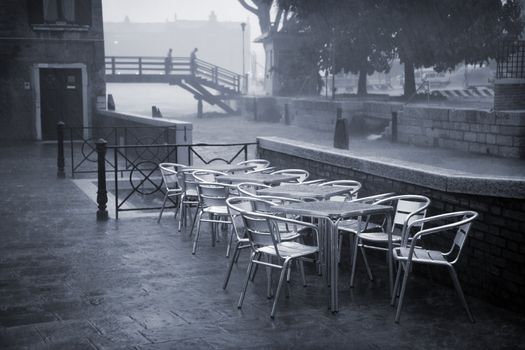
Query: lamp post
point(243, 26)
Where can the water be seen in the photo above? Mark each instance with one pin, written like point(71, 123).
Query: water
point(173, 101)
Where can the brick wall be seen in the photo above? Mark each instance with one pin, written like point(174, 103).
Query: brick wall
point(476, 131)
point(492, 265)
point(509, 96)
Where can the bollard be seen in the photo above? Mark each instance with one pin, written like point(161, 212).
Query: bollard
point(111, 103)
point(199, 108)
point(394, 126)
point(341, 131)
point(286, 114)
point(102, 193)
point(255, 108)
point(61, 174)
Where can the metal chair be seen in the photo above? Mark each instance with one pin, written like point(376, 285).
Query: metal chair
point(408, 253)
point(258, 163)
point(250, 188)
point(352, 186)
point(266, 241)
point(267, 170)
point(302, 175)
point(408, 208)
point(202, 175)
point(236, 205)
point(350, 226)
point(212, 201)
point(173, 189)
point(189, 197)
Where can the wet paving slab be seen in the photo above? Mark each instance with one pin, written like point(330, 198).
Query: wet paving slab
point(70, 282)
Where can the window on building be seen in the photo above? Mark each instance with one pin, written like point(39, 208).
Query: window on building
point(59, 12)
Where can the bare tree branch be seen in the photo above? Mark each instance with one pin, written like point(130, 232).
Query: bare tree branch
point(252, 9)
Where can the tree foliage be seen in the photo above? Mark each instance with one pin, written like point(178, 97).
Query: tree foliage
point(362, 36)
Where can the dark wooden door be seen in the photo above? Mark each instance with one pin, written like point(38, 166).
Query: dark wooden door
point(60, 99)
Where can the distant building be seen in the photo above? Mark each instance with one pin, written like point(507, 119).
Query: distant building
point(51, 65)
point(219, 43)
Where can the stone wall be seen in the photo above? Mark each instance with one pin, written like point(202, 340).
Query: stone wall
point(318, 113)
point(492, 266)
point(486, 132)
point(146, 130)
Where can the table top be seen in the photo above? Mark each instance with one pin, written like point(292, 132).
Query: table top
point(267, 179)
point(301, 191)
point(221, 167)
point(333, 210)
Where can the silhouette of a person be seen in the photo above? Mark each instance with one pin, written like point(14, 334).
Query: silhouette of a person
point(193, 61)
point(168, 63)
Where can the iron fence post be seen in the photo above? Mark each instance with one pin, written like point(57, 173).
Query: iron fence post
point(102, 193)
point(61, 174)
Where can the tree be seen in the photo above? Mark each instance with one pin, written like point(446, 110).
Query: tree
point(353, 35)
point(443, 33)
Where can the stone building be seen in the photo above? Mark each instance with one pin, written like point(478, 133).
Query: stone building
point(51, 66)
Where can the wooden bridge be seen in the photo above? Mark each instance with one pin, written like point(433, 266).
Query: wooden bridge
point(204, 80)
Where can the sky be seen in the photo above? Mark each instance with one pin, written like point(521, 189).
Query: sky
point(161, 10)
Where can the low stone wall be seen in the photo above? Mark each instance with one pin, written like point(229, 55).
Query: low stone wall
point(485, 132)
point(317, 113)
point(147, 128)
point(492, 266)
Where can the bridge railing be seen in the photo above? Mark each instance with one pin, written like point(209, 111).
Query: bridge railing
point(182, 66)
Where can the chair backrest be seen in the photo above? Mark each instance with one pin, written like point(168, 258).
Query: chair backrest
point(250, 188)
point(169, 174)
point(301, 173)
point(408, 208)
point(202, 175)
point(267, 170)
point(373, 199)
point(460, 221)
point(352, 186)
point(238, 205)
point(258, 163)
point(212, 194)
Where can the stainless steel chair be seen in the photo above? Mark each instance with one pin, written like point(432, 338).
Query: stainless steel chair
point(189, 197)
point(408, 208)
point(250, 188)
point(409, 253)
point(302, 175)
point(171, 184)
point(258, 163)
point(236, 205)
point(212, 202)
point(352, 186)
point(266, 242)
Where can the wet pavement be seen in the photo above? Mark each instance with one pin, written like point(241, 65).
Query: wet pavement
point(70, 282)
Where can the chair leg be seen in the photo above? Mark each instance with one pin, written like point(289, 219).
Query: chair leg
point(269, 278)
point(367, 265)
point(230, 265)
point(339, 247)
point(402, 293)
point(163, 205)
point(182, 209)
point(197, 235)
point(395, 292)
point(194, 217)
point(246, 280)
point(230, 241)
point(301, 267)
point(455, 279)
point(279, 286)
point(354, 261)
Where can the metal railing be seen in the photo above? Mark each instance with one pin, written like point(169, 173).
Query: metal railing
point(176, 66)
point(144, 181)
point(82, 148)
point(511, 61)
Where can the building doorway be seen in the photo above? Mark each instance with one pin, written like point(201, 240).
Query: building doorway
point(60, 99)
